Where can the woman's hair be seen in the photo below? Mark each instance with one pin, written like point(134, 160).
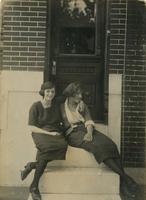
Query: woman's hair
point(46, 85)
point(72, 89)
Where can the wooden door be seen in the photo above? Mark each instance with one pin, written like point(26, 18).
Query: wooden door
point(76, 48)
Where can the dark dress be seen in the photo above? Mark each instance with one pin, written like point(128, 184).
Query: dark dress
point(49, 147)
point(101, 146)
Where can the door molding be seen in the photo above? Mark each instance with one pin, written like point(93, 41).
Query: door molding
point(85, 67)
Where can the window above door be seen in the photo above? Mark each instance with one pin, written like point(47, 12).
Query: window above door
point(77, 23)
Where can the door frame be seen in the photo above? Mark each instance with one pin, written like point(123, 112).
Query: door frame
point(47, 67)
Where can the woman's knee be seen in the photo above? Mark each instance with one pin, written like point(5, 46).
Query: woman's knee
point(42, 163)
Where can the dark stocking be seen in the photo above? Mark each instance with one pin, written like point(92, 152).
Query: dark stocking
point(40, 167)
point(33, 165)
point(115, 165)
point(27, 169)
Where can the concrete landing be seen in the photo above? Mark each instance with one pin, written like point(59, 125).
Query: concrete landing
point(78, 197)
point(79, 177)
point(79, 181)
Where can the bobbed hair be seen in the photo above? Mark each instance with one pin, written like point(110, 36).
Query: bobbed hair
point(46, 85)
point(72, 89)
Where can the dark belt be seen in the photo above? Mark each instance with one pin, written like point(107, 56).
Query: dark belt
point(71, 128)
point(68, 131)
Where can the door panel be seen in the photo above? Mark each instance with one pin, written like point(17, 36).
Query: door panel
point(76, 50)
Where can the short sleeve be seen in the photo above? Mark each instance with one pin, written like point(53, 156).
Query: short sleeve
point(33, 115)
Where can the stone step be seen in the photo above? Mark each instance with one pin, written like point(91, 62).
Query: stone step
point(79, 181)
point(78, 197)
point(76, 157)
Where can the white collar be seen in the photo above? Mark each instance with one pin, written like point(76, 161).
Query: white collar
point(73, 117)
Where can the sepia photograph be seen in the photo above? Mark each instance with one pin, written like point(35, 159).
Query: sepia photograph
point(72, 99)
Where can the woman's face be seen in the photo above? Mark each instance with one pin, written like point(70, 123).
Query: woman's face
point(49, 94)
point(77, 97)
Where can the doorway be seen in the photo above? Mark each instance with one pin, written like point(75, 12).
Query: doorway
point(75, 48)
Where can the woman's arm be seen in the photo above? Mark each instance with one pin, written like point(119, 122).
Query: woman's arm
point(89, 124)
point(90, 128)
point(35, 129)
point(33, 122)
point(89, 136)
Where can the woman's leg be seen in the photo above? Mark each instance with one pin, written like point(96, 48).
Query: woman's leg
point(114, 164)
point(40, 167)
point(128, 185)
point(27, 169)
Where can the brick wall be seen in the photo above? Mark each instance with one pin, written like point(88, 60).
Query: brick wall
point(24, 31)
point(135, 86)
point(126, 56)
point(117, 25)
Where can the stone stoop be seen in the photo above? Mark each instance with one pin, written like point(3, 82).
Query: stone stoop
point(79, 177)
point(79, 181)
point(78, 197)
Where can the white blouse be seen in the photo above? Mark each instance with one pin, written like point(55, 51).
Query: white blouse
point(75, 117)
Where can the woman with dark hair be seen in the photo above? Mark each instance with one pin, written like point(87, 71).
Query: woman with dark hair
point(46, 127)
point(80, 133)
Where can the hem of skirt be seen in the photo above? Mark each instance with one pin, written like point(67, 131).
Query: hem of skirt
point(50, 159)
point(105, 158)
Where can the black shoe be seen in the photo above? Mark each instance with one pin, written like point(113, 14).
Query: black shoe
point(126, 192)
point(132, 184)
point(26, 171)
point(35, 193)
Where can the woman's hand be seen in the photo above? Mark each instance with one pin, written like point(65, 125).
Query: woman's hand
point(88, 137)
point(39, 130)
point(53, 133)
point(57, 134)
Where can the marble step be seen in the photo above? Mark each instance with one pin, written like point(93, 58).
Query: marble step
point(79, 181)
point(76, 157)
point(78, 197)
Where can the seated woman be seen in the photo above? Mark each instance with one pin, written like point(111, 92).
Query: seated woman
point(46, 127)
point(80, 133)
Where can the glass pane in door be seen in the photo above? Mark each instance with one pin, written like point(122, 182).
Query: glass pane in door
point(75, 40)
point(76, 23)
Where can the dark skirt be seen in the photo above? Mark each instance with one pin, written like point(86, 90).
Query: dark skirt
point(50, 147)
point(101, 146)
